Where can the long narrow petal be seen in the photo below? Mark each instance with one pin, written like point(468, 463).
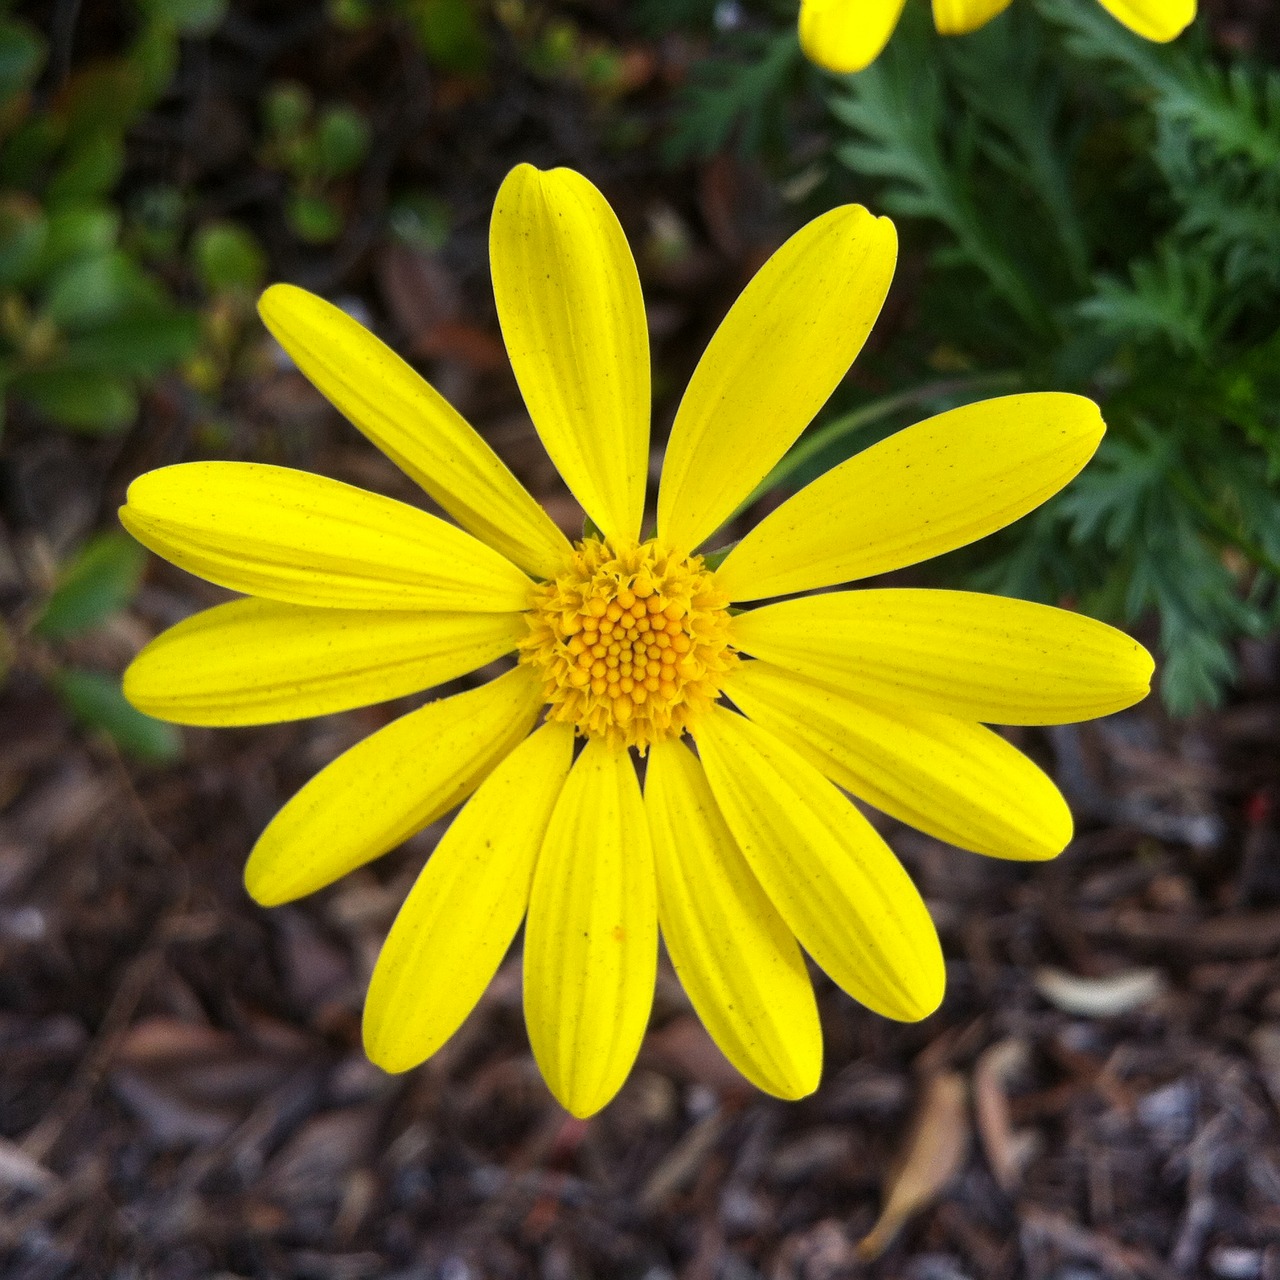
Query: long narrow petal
point(574, 322)
point(1159, 20)
point(776, 358)
point(460, 917)
point(936, 486)
point(833, 880)
point(414, 426)
point(959, 17)
point(260, 661)
point(305, 539)
point(737, 960)
point(973, 656)
point(952, 778)
point(847, 35)
point(591, 944)
point(389, 786)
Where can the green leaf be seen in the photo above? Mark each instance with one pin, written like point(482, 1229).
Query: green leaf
point(22, 54)
point(84, 400)
point(737, 94)
point(900, 116)
point(1171, 297)
point(23, 233)
point(351, 14)
point(342, 138)
point(92, 168)
point(153, 59)
point(422, 221)
point(228, 258)
point(27, 150)
point(97, 702)
point(79, 231)
point(452, 35)
point(315, 219)
point(93, 291)
point(191, 17)
point(138, 346)
point(287, 108)
point(99, 579)
point(157, 218)
point(102, 100)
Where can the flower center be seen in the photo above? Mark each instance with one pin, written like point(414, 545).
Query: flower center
point(632, 641)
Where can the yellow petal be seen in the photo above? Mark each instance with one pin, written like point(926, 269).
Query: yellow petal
point(574, 323)
point(776, 358)
point(389, 786)
point(969, 655)
point(305, 539)
point(459, 919)
point(847, 35)
point(414, 426)
point(260, 661)
point(936, 486)
point(959, 17)
point(737, 960)
point(952, 778)
point(591, 944)
point(1159, 20)
point(833, 880)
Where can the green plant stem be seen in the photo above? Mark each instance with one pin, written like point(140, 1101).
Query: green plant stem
point(850, 423)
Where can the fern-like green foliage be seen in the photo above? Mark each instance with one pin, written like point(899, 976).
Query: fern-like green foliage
point(1098, 214)
point(740, 97)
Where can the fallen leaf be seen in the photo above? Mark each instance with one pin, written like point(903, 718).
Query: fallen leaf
point(934, 1152)
point(1007, 1149)
point(1265, 1043)
point(163, 1043)
point(419, 290)
point(468, 344)
point(21, 1172)
point(1099, 997)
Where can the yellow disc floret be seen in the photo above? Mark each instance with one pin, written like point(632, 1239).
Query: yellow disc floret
point(632, 641)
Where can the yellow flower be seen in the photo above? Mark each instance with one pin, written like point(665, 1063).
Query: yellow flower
point(848, 35)
point(742, 853)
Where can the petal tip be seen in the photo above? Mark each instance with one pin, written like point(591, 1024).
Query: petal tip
point(522, 175)
point(922, 994)
point(263, 887)
point(385, 1054)
point(585, 1108)
point(580, 1101)
point(1052, 846)
point(922, 1003)
point(275, 296)
point(802, 1079)
point(1143, 671)
point(133, 685)
point(1060, 836)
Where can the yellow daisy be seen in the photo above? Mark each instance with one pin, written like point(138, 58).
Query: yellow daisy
point(848, 35)
point(742, 853)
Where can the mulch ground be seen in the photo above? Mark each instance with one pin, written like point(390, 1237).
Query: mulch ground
point(182, 1088)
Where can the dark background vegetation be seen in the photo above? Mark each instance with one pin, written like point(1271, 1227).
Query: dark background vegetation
point(182, 1089)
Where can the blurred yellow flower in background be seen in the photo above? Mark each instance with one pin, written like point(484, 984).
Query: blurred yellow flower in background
point(743, 853)
point(848, 35)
